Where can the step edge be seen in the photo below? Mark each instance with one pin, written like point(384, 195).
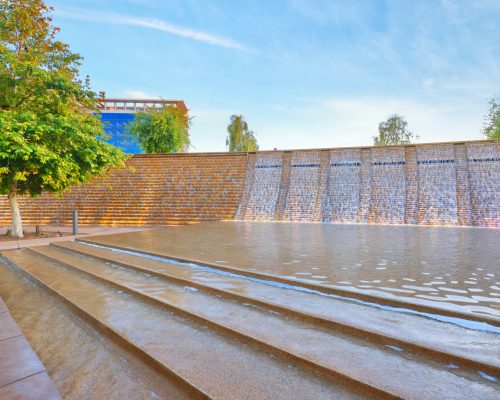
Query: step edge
point(114, 335)
point(360, 333)
point(339, 377)
point(330, 290)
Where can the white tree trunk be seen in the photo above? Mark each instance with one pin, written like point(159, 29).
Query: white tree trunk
point(17, 223)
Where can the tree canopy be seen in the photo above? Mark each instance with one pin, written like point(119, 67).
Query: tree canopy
point(239, 137)
point(491, 126)
point(164, 130)
point(393, 131)
point(50, 138)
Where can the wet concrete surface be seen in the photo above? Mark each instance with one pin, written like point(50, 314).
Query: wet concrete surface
point(223, 366)
point(324, 348)
point(22, 374)
point(457, 268)
point(81, 363)
point(385, 324)
point(82, 232)
point(228, 336)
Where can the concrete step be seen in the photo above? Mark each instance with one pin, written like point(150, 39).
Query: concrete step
point(329, 352)
point(416, 333)
point(23, 375)
point(436, 310)
point(214, 365)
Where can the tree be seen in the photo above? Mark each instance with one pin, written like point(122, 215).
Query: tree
point(393, 131)
point(164, 130)
point(491, 126)
point(239, 137)
point(49, 137)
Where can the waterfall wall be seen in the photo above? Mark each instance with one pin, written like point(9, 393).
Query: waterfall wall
point(429, 184)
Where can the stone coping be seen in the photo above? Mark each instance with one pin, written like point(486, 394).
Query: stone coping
point(227, 153)
point(22, 374)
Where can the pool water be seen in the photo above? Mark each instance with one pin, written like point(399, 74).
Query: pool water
point(446, 266)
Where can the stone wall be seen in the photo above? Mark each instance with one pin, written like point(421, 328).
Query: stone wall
point(428, 184)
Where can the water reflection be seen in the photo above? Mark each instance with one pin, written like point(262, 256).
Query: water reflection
point(447, 266)
point(82, 364)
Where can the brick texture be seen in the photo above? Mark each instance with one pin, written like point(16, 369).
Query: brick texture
point(429, 184)
point(151, 190)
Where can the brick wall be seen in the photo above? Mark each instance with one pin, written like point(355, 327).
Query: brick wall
point(430, 184)
point(152, 189)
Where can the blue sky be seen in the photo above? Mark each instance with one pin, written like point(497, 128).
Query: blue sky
point(304, 73)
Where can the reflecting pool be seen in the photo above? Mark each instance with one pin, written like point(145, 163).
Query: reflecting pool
point(444, 266)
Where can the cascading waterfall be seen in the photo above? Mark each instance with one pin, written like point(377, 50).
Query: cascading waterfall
point(432, 184)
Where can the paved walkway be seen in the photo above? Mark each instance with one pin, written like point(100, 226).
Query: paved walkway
point(22, 374)
point(83, 232)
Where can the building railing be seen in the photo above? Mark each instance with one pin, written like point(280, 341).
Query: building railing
point(138, 105)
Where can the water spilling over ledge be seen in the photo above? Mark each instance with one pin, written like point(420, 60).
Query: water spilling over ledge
point(436, 184)
point(426, 184)
point(447, 268)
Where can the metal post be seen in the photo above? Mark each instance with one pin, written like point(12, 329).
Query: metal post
point(75, 222)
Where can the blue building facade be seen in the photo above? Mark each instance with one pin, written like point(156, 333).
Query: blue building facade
point(117, 113)
point(114, 125)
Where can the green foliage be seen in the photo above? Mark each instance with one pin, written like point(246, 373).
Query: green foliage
point(164, 130)
point(50, 153)
point(49, 136)
point(393, 131)
point(491, 127)
point(239, 137)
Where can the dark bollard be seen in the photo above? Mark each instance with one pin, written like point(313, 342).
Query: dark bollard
point(75, 222)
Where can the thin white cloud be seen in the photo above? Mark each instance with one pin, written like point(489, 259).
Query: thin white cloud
point(152, 23)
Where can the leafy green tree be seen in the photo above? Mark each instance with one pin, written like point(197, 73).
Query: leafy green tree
point(239, 137)
point(49, 137)
point(491, 127)
point(164, 130)
point(393, 131)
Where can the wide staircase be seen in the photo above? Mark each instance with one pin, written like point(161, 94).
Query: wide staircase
point(150, 190)
point(226, 334)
